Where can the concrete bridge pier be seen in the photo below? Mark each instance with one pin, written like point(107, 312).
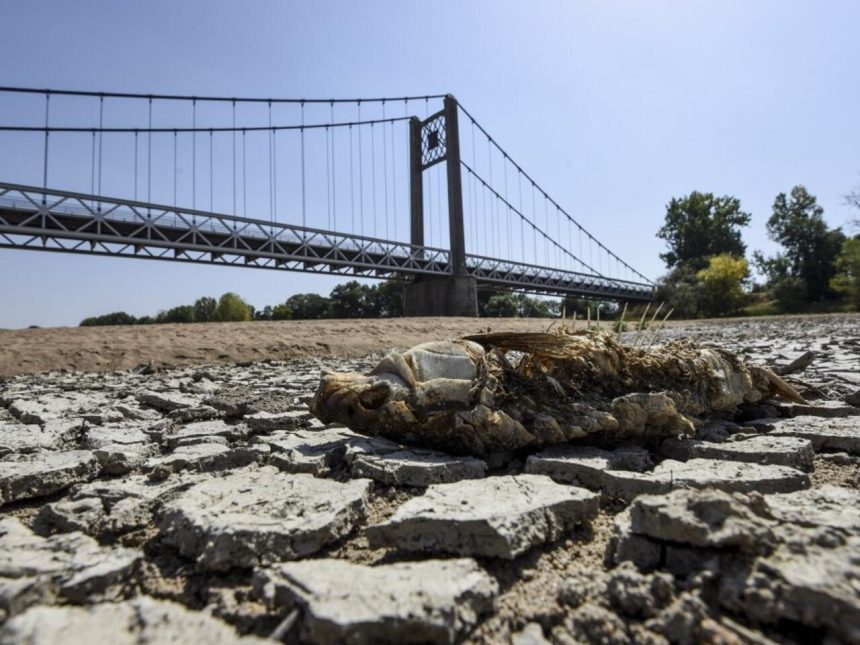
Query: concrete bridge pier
point(454, 296)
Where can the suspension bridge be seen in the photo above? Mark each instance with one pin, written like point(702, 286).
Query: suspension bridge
point(409, 188)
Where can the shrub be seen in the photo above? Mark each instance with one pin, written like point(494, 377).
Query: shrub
point(791, 293)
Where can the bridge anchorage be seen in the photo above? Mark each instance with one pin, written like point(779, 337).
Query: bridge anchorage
point(192, 179)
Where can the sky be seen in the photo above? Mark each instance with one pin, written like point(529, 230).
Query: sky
point(613, 106)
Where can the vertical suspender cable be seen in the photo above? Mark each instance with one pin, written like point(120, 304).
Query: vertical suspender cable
point(508, 213)
point(385, 172)
point(328, 177)
point(274, 174)
point(360, 174)
point(194, 154)
point(45, 164)
point(174, 168)
point(474, 192)
point(269, 139)
point(534, 217)
point(373, 177)
point(211, 173)
point(135, 165)
point(101, 135)
point(244, 177)
point(149, 158)
point(522, 219)
point(439, 215)
point(234, 156)
point(333, 173)
point(495, 232)
point(351, 181)
point(302, 133)
point(393, 181)
point(93, 166)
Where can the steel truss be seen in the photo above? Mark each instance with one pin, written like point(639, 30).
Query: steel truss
point(61, 221)
point(546, 280)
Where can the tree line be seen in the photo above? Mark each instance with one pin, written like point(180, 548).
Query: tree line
point(816, 267)
point(348, 300)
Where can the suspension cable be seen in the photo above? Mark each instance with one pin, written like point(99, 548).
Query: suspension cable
point(209, 99)
point(544, 193)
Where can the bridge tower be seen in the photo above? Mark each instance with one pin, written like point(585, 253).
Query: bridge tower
point(434, 140)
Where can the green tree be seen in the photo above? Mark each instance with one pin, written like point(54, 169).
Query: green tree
point(115, 318)
point(308, 306)
point(282, 312)
point(180, 314)
point(679, 289)
point(701, 225)
point(266, 313)
point(790, 292)
point(847, 279)
point(231, 308)
point(796, 223)
point(204, 309)
point(721, 284)
point(348, 300)
point(385, 300)
point(501, 305)
point(529, 307)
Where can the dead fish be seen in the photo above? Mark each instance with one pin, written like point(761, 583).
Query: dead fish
point(506, 391)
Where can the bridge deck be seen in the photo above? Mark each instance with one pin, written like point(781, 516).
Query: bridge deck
point(51, 220)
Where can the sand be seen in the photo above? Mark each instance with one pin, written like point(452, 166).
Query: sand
point(29, 351)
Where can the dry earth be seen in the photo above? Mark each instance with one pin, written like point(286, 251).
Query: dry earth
point(194, 499)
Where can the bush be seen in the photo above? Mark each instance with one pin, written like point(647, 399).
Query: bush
point(791, 294)
point(721, 292)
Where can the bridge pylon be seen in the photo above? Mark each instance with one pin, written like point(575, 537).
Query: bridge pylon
point(434, 140)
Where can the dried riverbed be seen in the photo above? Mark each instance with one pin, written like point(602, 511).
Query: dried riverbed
point(202, 503)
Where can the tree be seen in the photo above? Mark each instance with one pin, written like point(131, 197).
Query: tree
point(701, 225)
point(282, 312)
point(180, 314)
point(265, 313)
point(721, 284)
point(231, 308)
point(529, 307)
point(204, 309)
point(308, 306)
point(348, 300)
point(501, 305)
point(810, 246)
point(115, 318)
point(847, 279)
point(385, 300)
point(679, 289)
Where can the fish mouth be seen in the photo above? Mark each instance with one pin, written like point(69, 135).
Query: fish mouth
point(366, 403)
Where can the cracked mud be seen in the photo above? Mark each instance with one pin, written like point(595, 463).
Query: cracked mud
point(206, 504)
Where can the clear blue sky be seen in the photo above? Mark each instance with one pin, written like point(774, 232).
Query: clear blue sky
point(614, 106)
